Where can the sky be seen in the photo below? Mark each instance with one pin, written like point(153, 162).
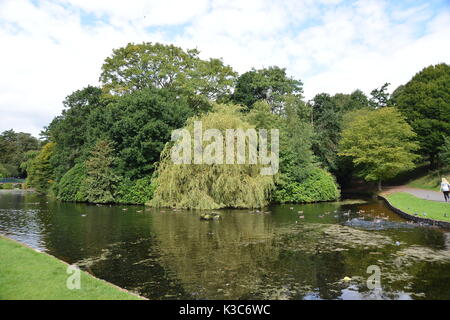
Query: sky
point(49, 48)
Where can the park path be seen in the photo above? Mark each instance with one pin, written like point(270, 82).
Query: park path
point(419, 193)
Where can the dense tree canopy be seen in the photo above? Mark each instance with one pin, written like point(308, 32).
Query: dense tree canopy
point(112, 143)
point(13, 149)
point(139, 124)
point(4, 172)
point(445, 152)
point(327, 118)
point(70, 130)
point(300, 178)
point(155, 65)
point(350, 102)
point(271, 84)
point(425, 102)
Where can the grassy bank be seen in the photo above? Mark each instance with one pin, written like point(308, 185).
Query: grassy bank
point(430, 181)
point(31, 275)
point(412, 205)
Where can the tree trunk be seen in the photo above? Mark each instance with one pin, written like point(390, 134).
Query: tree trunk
point(379, 185)
point(433, 162)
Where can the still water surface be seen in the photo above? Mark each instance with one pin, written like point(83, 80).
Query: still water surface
point(275, 254)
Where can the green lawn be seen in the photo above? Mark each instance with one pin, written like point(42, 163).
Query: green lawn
point(411, 204)
point(31, 275)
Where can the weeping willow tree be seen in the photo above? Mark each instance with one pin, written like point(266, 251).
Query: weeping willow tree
point(212, 186)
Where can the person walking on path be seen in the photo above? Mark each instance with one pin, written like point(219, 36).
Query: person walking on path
point(445, 188)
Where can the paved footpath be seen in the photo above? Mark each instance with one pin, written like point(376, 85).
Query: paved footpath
point(419, 193)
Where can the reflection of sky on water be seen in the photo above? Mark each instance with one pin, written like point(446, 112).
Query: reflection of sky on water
point(352, 293)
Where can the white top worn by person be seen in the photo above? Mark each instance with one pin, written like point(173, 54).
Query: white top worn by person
point(445, 186)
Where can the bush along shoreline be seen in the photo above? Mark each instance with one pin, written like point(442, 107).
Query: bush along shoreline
point(96, 179)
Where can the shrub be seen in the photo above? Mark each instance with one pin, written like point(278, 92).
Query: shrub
point(8, 186)
point(319, 185)
point(25, 185)
point(135, 192)
point(70, 188)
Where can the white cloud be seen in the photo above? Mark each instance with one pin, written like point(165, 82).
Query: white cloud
point(143, 13)
point(46, 55)
point(50, 50)
point(396, 59)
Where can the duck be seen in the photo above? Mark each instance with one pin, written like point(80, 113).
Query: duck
point(210, 216)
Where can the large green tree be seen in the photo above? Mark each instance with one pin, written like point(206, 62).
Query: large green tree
point(70, 130)
point(155, 65)
point(271, 84)
point(379, 142)
point(40, 169)
point(216, 185)
point(13, 149)
point(425, 102)
point(327, 119)
point(139, 124)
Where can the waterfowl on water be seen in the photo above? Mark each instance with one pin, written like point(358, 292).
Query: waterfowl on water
point(210, 216)
point(347, 279)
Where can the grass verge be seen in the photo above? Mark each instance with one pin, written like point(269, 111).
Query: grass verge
point(430, 181)
point(412, 205)
point(26, 274)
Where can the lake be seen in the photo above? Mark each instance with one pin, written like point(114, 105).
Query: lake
point(282, 252)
